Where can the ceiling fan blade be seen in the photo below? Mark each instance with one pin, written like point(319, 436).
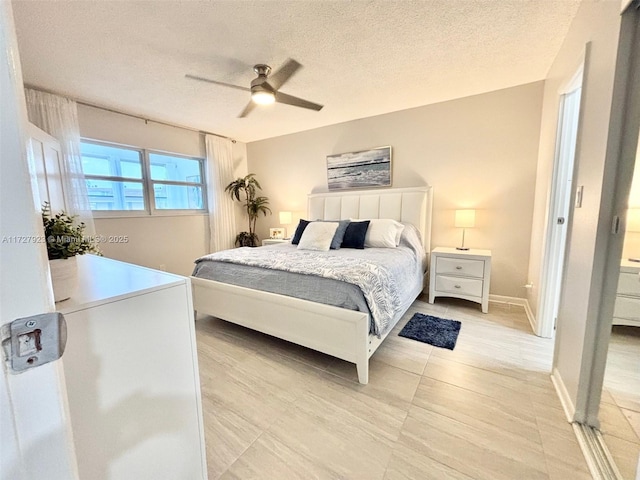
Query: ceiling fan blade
point(250, 106)
point(215, 82)
point(297, 102)
point(284, 73)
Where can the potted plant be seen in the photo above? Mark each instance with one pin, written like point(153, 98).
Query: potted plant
point(253, 205)
point(65, 239)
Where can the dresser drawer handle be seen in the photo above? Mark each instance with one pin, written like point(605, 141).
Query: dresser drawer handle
point(458, 286)
point(458, 267)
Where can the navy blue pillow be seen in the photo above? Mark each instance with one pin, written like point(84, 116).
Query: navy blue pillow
point(299, 231)
point(354, 236)
point(340, 231)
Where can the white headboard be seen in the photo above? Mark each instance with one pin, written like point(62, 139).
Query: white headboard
point(413, 205)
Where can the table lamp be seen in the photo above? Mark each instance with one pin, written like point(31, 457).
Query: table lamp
point(465, 219)
point(285, 219)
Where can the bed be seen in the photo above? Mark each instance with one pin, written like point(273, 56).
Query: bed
point(346, 333)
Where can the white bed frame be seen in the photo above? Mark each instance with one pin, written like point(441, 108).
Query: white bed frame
point(332, 330)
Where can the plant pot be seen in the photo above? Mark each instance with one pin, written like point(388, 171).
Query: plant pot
point(64, 277)
point(246, 239)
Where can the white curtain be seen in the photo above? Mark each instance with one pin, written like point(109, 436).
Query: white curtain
point(222, 219)
point(58, 116)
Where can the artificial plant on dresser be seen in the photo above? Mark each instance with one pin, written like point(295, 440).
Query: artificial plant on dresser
point(65, 239)
point(254, 205)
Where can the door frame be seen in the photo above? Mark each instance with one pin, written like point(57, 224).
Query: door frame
point(562, 179)
point(622, 145)
point(35, 428)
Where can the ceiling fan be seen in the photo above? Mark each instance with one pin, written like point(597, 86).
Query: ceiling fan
point(265, 88)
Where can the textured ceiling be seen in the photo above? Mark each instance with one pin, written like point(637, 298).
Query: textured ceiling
point(361, 58)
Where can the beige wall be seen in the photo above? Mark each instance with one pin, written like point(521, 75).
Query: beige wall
point(477, 152)
point(163, 243)
point(598, 23)
point(632, 239)
point(167, 242)
point(101, 124)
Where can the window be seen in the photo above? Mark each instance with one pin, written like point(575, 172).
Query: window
point(129, 180)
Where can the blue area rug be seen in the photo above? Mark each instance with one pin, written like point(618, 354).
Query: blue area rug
point(436, 331)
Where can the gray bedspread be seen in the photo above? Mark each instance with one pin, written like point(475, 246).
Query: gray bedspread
point(379, 281)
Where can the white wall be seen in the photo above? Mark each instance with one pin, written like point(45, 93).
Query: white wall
point(477, 152)
point(598, 23)
point(170, 241)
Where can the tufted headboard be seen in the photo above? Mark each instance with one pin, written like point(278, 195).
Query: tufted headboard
point(413, 205)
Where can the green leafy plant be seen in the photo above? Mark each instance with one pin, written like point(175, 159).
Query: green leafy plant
point(254, 206)
point(64, 237)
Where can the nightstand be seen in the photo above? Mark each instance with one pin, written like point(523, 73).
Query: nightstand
point(274, 241)
point(627, 306)
point(461, 274)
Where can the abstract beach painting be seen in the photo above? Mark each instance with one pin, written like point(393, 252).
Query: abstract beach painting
point(364, 169)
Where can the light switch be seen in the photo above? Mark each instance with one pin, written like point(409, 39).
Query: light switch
point(579, 193)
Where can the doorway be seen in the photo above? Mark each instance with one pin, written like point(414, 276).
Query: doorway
point(559, 204)
point(609, 390)
point(619, 412)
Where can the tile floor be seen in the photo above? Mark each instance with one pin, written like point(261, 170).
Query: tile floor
point(620, 404)
point(486, 410)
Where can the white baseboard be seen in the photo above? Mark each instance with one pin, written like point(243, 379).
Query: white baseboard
point(523, 302)
point(532, 318)
point(563, 394)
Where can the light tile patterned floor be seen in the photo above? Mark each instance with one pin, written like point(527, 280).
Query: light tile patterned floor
point(620, 404)
point(486, 410)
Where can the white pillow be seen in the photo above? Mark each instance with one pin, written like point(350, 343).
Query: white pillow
point(318, 236)
point(383, 233)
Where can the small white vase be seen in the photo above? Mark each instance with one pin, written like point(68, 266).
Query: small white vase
point(64, 277)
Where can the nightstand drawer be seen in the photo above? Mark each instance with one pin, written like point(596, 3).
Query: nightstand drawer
point(460, 266)
point(462, 286)
point(629, 284)
point(627, 308)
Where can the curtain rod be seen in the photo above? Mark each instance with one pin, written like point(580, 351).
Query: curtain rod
point(119, 112)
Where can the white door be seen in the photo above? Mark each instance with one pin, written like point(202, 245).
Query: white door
point(47, 157)
point(559, 206)
point(35, 432)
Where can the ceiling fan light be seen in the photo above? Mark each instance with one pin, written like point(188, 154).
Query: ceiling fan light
point(263, 97)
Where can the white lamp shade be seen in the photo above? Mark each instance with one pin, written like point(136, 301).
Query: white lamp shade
point(633, 220)
point(285, 218)
point(465, 218)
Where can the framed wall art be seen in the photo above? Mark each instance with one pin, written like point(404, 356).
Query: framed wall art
point(363, 169)
point(276, 233)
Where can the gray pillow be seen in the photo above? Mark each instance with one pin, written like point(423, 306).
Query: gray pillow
point(340, 231)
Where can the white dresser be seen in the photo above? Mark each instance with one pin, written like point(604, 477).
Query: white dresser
point(461, 274)
point(627, 307)
point(131, 372)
